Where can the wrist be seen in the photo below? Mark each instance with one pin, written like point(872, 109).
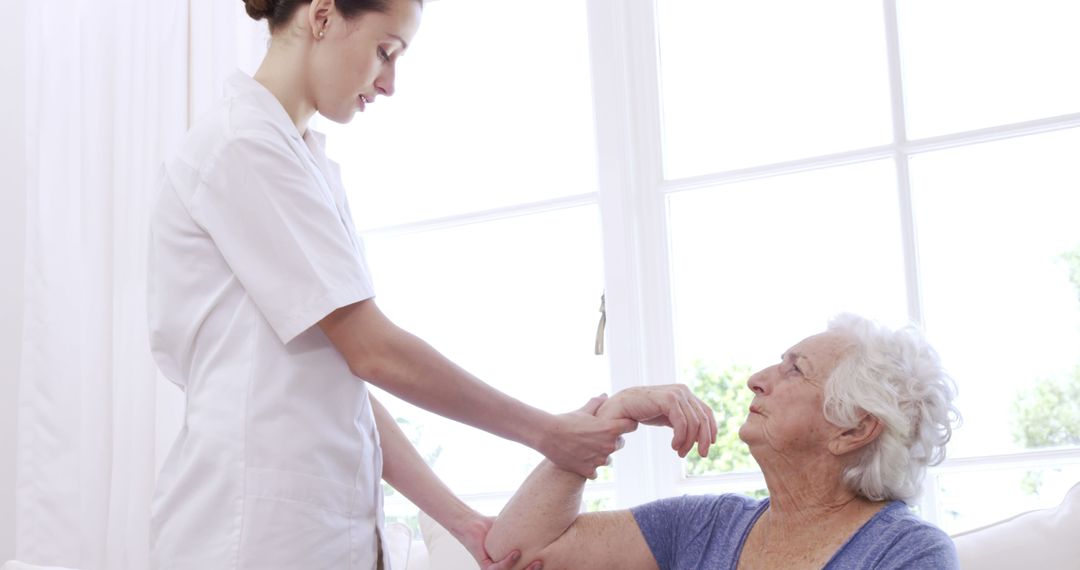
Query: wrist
point(456, 517)
point(541, 433)
point(464, 522)
point(611, 409)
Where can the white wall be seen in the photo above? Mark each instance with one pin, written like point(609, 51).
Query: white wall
point(12, 239)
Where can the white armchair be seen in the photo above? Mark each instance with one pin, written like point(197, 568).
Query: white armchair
point(1047, 539)
point(436, 549)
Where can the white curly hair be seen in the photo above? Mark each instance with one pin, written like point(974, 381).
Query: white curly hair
point(896, 376)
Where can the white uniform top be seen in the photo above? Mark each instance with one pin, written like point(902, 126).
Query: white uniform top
point(278, 463)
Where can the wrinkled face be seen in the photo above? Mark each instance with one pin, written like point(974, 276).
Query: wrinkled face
point(355, 60)
point(786, 416)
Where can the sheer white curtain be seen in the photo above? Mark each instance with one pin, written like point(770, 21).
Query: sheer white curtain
point(110, 89)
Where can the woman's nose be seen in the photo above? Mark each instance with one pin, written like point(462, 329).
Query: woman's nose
point(385, 84)
point(758, 382)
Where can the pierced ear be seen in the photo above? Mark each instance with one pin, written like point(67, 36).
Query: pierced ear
point(855, 438)
point(318, 13)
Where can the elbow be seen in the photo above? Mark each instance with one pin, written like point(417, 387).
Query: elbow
point(498, 541)
point(359, 366)
point(370, 357)
point(363, 337)
point(366, 365)
point(364, 358)
point(502, 540)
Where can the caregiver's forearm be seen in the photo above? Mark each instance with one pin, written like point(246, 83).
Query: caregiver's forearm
point(386, 355)
point(406, 471)
point(397, 361)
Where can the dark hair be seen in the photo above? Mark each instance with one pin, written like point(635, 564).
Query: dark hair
point(279, 12)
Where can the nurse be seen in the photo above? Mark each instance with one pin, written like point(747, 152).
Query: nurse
point(262, 311)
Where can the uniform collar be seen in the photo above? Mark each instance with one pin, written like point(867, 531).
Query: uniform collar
point(319, 138)
point(241, 84)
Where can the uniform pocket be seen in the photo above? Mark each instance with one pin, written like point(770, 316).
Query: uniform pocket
point(292, 520)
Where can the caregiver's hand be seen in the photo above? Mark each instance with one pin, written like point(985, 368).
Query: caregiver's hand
point(672, 405)
point(580, 442)
point(472, 534)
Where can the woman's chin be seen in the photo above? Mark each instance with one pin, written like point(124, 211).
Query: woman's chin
point(747, 433)
point(342, 117)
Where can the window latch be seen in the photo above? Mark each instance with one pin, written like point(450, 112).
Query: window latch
point(599, 348)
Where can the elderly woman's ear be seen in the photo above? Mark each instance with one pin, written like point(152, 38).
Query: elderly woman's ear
point(852, 439)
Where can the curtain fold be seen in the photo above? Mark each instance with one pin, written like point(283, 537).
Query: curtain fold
point(111, 87)
point(107, 98)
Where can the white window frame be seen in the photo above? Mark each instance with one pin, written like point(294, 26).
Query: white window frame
point(633, 192)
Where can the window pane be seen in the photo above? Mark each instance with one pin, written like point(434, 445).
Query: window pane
point(598, 501)
point(746, 83)
point(513, 301)
point(999, 249)
point(971, 499)
point(759, 265)
point(970, 64)
point(484, 115)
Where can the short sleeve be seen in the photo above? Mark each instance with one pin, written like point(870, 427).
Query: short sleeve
point(281, 234)
point(696, 531)
point(659, 524)
point(922, 547)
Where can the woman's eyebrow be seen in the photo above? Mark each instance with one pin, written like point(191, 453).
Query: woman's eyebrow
point(404, 44)
point(797, 356)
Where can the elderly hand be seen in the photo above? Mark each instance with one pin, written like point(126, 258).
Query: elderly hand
point(673, 405)
point(580, 441)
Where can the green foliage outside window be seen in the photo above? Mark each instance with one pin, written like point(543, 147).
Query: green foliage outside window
point(1046, 416)
point(1072, 260)
point(726, 393)
point(1049, 414)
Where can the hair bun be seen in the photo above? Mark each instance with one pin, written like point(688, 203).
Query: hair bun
point(260, 9)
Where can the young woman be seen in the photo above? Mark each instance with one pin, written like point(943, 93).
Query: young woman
point(262, 311)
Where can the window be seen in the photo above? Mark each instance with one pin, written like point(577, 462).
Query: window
point(897, 159)
point(476, 188)
point(732, 174)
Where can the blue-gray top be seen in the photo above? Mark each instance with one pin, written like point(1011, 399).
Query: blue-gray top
point(708, 531)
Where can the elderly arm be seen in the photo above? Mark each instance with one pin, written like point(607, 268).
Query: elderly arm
point(591, 540)
point(542, 518)
point(389, 357)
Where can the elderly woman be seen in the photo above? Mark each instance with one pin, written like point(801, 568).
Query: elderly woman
point(843, 428)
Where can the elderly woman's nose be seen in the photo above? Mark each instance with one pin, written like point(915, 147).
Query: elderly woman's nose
point(757, 382)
